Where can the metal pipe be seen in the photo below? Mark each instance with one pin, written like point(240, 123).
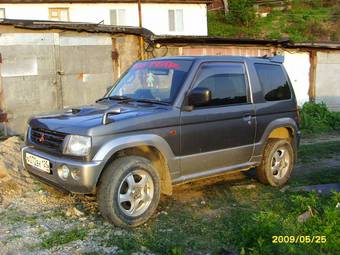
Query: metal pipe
point(141, 40)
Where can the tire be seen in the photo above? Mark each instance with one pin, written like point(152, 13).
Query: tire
point(277, 163)
point(128, 191)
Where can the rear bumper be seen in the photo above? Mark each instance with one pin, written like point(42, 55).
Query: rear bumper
point(88, 172)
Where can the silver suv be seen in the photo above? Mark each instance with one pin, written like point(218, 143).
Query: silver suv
point(169, 121)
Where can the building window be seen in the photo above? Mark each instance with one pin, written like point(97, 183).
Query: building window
point(2, 13)
point(118, 17)
point(176, 23)
point(58, 14)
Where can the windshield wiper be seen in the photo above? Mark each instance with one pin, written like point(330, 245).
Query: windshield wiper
point(118, 98)
point(150, 101)
point(125, 99)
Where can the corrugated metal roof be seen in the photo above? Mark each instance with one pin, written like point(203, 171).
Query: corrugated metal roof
point(76, 26)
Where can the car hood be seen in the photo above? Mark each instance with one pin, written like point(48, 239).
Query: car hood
point(80, 119)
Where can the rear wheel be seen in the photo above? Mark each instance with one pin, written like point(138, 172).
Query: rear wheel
point(129, 191)
point(277, 163)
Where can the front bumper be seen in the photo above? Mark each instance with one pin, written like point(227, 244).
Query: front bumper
point(89, 172)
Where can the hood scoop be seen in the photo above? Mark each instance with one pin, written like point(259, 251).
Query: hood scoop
point(114, 111)
point(72, 111)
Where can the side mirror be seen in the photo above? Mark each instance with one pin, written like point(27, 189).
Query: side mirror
point(199, 97)
point(108, 89)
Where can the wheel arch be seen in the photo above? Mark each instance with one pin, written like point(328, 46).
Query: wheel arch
point(152, 147)
point(282, 128)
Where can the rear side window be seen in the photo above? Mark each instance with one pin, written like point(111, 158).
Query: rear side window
point(226, 81)
point(273, 81)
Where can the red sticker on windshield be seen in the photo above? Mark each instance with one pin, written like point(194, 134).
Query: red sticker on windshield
point(157, 65)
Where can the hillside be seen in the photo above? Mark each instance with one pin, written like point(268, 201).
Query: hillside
point(300, 20)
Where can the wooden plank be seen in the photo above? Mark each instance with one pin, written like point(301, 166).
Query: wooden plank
point(312, 75)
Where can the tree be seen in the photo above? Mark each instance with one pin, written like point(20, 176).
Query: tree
point(226, 6)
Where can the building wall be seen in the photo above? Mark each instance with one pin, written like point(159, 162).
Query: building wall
point(28, 77)
point(297, 65)
point(46, 72)
point(328, 79)
point(155, 16)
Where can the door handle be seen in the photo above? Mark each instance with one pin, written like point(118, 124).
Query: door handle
point(248, 118)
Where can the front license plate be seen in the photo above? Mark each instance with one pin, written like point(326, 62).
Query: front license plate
point(37, 162)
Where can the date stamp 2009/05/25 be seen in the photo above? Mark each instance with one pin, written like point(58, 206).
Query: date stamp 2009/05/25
point(299, 239)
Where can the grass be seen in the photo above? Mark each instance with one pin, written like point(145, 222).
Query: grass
point(232, 218)
point(244, 220)
point(13, 216)
point(246, 228)
point(300, 23)
point(322, 176)
point(61, 237)
point(316, 118)
point(313, 153)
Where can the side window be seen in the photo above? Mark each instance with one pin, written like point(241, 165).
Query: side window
point(118, 17)
point(176, 21)
point(2, 13)
point(226, 81)
point(274, 83)
point(58, 14)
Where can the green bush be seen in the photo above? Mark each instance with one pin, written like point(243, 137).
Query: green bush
point(241, 12)
point(316, 118)
point(302, 20)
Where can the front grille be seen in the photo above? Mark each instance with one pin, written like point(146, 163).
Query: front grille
point(47, 138)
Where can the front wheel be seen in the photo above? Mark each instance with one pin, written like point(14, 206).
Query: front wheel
point(277, 163)
point(129, 191)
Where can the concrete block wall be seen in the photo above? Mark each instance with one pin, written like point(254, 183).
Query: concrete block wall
point(328, 79)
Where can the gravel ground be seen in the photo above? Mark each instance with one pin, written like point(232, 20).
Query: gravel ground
point(33, 215)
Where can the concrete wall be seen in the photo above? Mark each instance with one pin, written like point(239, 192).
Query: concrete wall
point(328, 79)
point(28, 77)
point(85, 68)
point(155, 16)
point(297, 66)
point(43, 72)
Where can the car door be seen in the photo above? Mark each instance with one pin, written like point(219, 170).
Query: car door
point(221, 133)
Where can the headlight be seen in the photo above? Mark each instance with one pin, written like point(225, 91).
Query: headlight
point(77, 145)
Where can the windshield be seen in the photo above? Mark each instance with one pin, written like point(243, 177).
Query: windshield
point(152, 80)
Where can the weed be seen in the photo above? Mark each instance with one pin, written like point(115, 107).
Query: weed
point(241, 12)
point(316, 118)
point(13, 216)
point(305, 21)
point(61, 237)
